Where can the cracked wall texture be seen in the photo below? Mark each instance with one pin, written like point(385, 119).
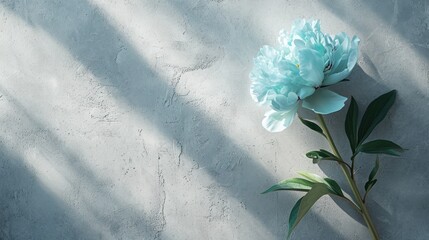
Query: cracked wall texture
point(131, 119)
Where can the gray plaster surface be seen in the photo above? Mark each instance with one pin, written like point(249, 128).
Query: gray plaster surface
point(132, 119)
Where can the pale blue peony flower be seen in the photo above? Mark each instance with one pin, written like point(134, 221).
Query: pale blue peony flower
point(295, 72)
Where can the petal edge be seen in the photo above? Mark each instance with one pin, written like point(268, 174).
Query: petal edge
point(324, 101)
point(278, 121)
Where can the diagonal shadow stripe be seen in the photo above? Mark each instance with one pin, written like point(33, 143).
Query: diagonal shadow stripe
point(48, 141)
point(16, 177)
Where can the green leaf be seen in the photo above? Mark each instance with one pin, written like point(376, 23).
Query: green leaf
point(314, 185)
point(374, 170)
point(293, 184)
point(369, 185)
point(317, 161)
point(312, 126)
point(328, 153)
point(334, 187)
point(371, 178)
point(321, 155)
point(351, 124)
point(312, 177)
point(293, 217)
point(303, 205)
point(305, 184)
point(375, 113)
point(381, 147)
point(330, 183)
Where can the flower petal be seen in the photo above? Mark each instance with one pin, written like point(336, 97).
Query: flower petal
point(343, 65)
point(284, 103)
point(311, 66)
point(268, 52)
point(278, 121)
point(305, 91)
point(336, 77)
point(324, 101)
point(299, 43)
point(353, 53)
point(286, 66)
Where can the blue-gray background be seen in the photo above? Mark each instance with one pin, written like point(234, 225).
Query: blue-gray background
point(131, 119)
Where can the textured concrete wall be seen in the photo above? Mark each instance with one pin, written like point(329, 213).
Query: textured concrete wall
point(131, 119)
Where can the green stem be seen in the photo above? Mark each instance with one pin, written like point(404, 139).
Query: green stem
point(352, 183)
point(364, 196)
